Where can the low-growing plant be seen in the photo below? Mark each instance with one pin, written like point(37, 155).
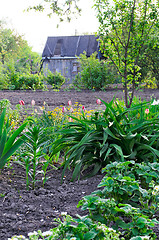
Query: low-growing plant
point(124, 216)
point(81, 228)
point(124, 182)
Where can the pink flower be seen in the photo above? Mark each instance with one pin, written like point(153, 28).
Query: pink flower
point(64, 109)
point(21, 102)
point(69, 103)
point(71, 109)
point(147, 111)
point(98, 101)
point(33, 102)
point(83, 108)
point(70, 119)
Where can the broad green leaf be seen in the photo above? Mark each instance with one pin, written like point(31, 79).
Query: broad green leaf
point(89, 235)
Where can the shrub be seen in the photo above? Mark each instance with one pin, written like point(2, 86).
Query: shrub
point(94, 74)
point(56, 80)
point(30, 81)
point(22, 79)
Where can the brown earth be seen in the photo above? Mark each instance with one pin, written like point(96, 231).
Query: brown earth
point(86, 98)
point(23, 211)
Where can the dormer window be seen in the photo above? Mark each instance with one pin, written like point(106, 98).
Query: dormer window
point(58, 48)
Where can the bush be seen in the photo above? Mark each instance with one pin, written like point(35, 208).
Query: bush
point(56, 80)
point(31, 81)
point(94, 74)
point(26, 81)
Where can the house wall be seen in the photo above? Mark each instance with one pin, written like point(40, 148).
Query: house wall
point(68, 67)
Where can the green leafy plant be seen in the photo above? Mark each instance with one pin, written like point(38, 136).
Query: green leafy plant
point(56, 80)
point(125, 183)
point(116, 134)
point(94, 74)
point(8, 141)
point(125, 35)
point(34, 159)
point(81, 228)
point(108, 212)
point(30, 81)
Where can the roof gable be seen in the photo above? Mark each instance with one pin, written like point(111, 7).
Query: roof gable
point(70, 46)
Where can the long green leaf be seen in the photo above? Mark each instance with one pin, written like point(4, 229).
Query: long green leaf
point(2, 121)
point(14, 147)
point(3, 141)
point(77, 170)
point(119, 150)
point(12, 138)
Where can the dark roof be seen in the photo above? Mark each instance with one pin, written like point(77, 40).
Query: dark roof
point(70, 46)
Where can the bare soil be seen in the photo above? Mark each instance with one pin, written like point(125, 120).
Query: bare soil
point(87, 98)
point(23, 211)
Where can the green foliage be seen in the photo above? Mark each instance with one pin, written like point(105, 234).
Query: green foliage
point(148, 82)
point(30, 81)
point(123, 201)
point(19, 66)
point(94, 74)
point(125, 141)
point(64, 10)
point(8, 142)
point(149, 63)
point(125, 31)
point(56, 80)
point(132, 183)
point(123, 216)
point(117, 134)
point(34, 159)
point(21, 78)
point(3, 78)
point(81, 228)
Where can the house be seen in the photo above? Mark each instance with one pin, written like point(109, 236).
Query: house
point(60, 53)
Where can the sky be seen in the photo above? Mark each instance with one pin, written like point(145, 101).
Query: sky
point(36, 27)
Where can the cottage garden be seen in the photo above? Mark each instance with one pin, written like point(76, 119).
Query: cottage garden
point(120, 142)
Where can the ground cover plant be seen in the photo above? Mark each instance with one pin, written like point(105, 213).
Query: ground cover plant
point(131, 170)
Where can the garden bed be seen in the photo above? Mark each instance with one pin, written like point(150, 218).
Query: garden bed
point(55, 99)
point(24, 211)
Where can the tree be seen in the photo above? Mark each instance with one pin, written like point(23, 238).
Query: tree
point(13, 48)
point(62, 8)
point(125, 31)
point(150, 62)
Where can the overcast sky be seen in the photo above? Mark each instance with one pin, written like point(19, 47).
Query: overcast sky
point(36, 27)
